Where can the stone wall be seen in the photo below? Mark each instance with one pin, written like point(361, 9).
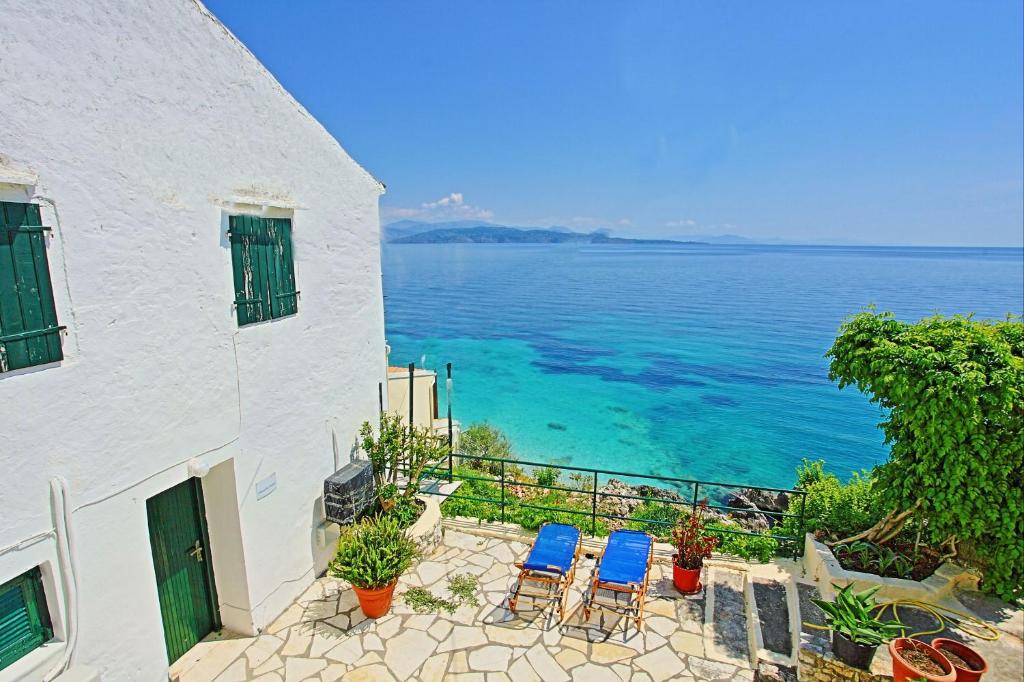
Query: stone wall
point(823, 667)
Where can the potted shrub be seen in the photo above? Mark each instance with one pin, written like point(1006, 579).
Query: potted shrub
point(969, 664)
point(856, 632)
point(372, 554)
point(912, 659)
point(692, 548)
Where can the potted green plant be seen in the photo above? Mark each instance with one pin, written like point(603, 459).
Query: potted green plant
point(692, 548)
point(372, 554)
point(856, 632)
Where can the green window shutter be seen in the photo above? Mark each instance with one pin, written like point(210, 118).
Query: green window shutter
point(286, 297)
point(24, 618)
point(264, 270)
point(29, 333)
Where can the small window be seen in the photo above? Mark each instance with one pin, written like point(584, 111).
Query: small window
point(261, 254)
point(29, 334)
point(24, 618)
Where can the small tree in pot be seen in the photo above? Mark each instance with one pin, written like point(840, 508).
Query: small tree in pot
point(692, 548)
point(371, 556)
point(856, 632)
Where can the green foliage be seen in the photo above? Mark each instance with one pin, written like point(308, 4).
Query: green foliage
point(398, 449)
point(546, 476)
point(646, 516)
point(462, 587)
point(575, 511)
point(851, 614)
point(373, 553)
point(867, 556)
point(387, 492)
point(953, 391)
point(405, 511)
point(835, 508)
point(484, 440)
point(385, 449)
point(761, 547)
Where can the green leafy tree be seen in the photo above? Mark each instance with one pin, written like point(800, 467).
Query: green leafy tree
point(485, 440)
point(396, 449)
point(953, 392)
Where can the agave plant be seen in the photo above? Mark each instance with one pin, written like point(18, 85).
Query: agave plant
point(851, 615)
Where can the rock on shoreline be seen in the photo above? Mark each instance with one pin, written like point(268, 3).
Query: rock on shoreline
point(747, 504)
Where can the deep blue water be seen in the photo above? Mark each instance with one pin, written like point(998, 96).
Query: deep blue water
point(691, 361)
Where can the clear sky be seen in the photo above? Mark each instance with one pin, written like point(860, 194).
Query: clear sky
point(868, 122)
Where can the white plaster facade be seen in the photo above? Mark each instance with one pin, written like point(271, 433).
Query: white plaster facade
point(139, 126)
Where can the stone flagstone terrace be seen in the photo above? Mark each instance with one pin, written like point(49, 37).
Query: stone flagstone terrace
point(323, 636)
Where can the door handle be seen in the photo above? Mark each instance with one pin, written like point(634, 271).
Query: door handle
point(197, 552)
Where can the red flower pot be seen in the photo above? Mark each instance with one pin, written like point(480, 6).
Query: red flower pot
point(966, 653)
point(903, 671)
point(686, 580)
point(375, 603)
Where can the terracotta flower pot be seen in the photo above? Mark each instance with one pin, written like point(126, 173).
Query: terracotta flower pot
point(903, 671)
point(375, 603)
point(686, 580)
point(966, 653)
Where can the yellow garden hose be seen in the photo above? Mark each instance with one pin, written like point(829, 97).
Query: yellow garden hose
point(968, 623)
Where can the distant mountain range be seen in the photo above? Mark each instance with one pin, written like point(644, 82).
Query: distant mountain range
point(471, 232)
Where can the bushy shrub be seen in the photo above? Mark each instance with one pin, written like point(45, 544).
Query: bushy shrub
point(570, 510)
point(406, 510)
point(646, 516)
point(547, 476)
point(835, 508)
point(485, 440)
point(758, 547)
point(953, 392)
point(761, 547)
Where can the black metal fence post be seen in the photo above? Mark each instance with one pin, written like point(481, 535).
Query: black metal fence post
point(593, 508)
point(695, 487)
point(503, 491)
point(802, 541)
point(451, 439)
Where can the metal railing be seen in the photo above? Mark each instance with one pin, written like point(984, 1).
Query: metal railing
point(592, 491)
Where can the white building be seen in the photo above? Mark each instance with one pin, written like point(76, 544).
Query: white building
point(424, 410)
point(212, 258)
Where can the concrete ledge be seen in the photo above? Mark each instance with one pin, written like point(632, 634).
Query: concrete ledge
point(426, 532)
point(822, 566)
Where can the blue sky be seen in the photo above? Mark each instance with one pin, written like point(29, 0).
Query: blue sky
point(877, 122)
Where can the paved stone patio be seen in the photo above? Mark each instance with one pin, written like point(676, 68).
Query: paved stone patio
point(323, 636)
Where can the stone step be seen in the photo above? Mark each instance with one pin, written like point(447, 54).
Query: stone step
point(771, 616)
point(726, 638)
point(807, 612)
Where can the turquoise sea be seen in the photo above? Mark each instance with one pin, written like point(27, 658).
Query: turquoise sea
point(691, 361)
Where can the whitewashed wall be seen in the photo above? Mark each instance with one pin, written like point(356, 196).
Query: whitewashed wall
point(139, 125)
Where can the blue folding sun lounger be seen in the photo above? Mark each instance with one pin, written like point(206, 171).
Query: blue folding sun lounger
point(624, 568)
point(551, 564)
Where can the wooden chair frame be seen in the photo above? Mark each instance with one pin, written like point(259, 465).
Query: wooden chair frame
point(562, 582)
point(634, 610)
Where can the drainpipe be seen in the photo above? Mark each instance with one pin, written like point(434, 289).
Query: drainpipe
point(68, 569)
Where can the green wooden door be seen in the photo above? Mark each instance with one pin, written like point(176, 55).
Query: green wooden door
point(181, 557)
